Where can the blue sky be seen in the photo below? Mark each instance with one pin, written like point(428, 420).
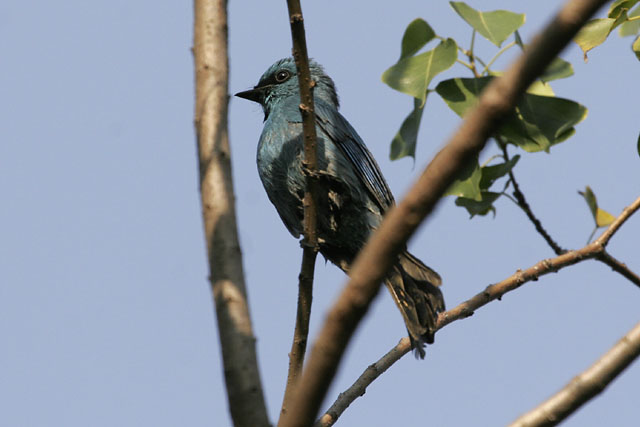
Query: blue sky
point(105, 312)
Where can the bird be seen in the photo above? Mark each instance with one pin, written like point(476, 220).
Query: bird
point(354, 195)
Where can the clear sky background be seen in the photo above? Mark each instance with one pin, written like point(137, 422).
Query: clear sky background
point(106, 317)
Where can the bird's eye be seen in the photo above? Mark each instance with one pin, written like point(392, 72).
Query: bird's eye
point(282, 76)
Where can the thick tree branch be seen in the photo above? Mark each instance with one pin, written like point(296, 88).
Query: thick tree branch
point(467, 308)
point(310, 242)
point(244, 391)
point(400, 223)
point(586, 385)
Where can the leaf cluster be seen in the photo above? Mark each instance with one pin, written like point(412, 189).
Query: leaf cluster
point(622, 14)
point(540, 120)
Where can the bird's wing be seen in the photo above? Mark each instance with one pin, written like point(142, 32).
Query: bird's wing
point(344, 136)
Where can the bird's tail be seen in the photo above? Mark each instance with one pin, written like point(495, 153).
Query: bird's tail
point(414, 288)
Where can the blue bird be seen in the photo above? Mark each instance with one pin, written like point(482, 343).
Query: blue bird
point(354, 194)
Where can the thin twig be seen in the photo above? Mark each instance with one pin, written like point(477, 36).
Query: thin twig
point(619, 267)
point(310, 242)
point(237, 342)
point(496, 56)
point(461, 62)
point(378, 255)
point(492, 292)
point(467, 308)
point(586, 385)
point(617, 223)
point(522, 203)
point(359, 388)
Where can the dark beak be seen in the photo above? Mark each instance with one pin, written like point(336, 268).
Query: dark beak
point(254, 95)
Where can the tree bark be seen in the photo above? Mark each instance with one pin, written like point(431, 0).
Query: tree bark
point(244, 390)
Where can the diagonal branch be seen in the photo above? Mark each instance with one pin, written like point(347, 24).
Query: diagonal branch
point(467, 308)
point(492, 292)
point(359, 387)
point(619, 267)
point(310, 242)
point(497, 100)
point(613, 228)
point(244, 390)
point(586, 385)
point(522, 203)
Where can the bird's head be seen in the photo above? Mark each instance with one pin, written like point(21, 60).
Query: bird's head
point(280, 82)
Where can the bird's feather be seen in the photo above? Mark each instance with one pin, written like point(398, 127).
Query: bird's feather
point(342, 134)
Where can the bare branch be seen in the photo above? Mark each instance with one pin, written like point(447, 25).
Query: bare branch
point(497, 100)
point(619, 267)
point(301, 331)
point(522, 203)
point(244, 390)
point(617, 223)
point(360, 386)
point(492, 292)
point(586, 385)
point(467, 308)
point(310, 243)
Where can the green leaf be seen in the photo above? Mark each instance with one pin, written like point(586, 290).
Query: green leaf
point(519, 41)
point(618, 7)
point(630, 28)
point(404, 143)
point(596, 31)
point(559, 69)
point(601, 217)
point(590, 198)
point(491, 173)
point(545, 121)
point(540, 88)
point(413, 74)
point(495, 26)
point(636, 47)
point(593, 34)
point(417, 34)
point(467, 183)
point(537, 123)
point(461, 94)
point(479, 207)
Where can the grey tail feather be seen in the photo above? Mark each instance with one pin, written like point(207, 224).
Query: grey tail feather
point(414, 288)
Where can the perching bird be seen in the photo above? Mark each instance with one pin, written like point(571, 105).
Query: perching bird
point(353, 197)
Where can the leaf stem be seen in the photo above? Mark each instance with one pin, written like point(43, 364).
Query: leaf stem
point(592, 234)
point(470, 54)
point(496, 56)
point(469, 66)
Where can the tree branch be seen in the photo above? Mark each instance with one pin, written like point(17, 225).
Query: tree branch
point(604, 257)
point(497, 100)
point(467, 308)
point(619, 267)
point(492, 292)
point(244, 390)
point(360, 386)
point(522, 203)
point(310, 242)
point(586, 385)
point(613, 228)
